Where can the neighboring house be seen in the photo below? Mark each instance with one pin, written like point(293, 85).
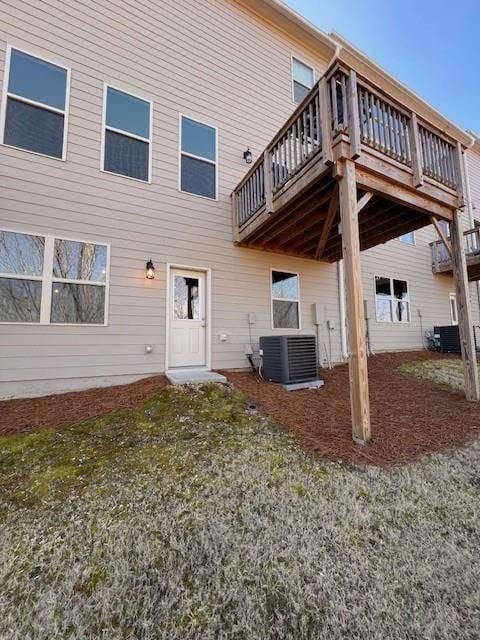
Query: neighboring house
point(123, 136)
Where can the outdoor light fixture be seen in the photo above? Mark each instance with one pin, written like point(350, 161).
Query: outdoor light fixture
point(248, 156)
point(150, 270)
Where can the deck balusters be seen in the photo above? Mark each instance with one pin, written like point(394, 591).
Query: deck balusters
point(438, 157)
point(380, 124)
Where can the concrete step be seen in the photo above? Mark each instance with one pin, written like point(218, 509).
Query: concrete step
point(186, 376)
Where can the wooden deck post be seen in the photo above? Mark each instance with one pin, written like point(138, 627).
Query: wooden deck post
point(465, 322)
point(415, 149)
point(357, 361)
point(325, 121)
point(353, 116)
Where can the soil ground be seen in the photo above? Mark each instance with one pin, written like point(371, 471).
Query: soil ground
point(410, 416)
point(32, 414)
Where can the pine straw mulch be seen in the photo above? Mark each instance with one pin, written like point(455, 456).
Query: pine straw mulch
point(410, 417)
point(33, 414)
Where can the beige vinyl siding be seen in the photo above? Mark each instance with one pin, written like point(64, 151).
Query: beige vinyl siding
point(429, 293)
point(473, 165)
point(197, 58)
point(214, 62)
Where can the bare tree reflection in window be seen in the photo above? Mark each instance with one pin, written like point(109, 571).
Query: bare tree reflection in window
point(186, 298)
point(79, 261)
point(77, 303)
point(20, 254)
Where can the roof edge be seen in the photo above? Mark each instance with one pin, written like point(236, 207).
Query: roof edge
point(272, 10)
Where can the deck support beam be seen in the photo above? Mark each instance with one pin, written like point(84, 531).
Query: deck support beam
point(357, 361)
point(465, 322)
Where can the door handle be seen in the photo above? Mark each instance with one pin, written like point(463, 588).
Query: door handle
point(203, 323)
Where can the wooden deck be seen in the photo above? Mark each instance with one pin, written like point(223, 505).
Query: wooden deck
point(353, 168)
point(442, 259)
point(288, 201)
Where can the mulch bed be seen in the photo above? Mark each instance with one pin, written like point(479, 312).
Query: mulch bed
point(410, 417)
point(34, 414)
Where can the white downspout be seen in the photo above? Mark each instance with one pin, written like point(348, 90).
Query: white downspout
point(340, 272)
point(471, 219)
point(343, 318)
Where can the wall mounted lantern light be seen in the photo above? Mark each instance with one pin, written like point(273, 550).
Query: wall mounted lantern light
point(150, 270)
point(248, 156)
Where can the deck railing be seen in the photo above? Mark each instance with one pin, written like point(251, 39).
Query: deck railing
point(438, 157)
point(250, 195)
point(341, 103)
point(383, 126)
point(297, 142)
point(441, 259)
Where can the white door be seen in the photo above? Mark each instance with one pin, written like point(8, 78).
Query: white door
point(187, 340)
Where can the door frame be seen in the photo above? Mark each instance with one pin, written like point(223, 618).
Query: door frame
point(170, 266)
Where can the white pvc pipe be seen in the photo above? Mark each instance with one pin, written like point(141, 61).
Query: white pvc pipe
point(343, 317)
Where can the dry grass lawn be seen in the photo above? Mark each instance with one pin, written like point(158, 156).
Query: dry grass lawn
point(190, 518)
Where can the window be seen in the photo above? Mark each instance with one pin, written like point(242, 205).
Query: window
point(127, 135)
point(198, 158)
point(408, 238)
point(285, 300)
point(453, 308)
point(445, 227)
point(51, 280)
point(35, 105)
point(392, 301)
point(303, 79)
point(186, 299)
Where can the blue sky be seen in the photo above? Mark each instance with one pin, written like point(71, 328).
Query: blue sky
point(430, 45)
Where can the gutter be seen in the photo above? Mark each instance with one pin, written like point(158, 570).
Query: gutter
point(343, 317)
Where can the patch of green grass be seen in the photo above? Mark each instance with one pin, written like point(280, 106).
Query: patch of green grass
point(168, 430)
point(447, 372)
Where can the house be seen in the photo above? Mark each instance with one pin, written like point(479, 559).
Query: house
point(124, 135)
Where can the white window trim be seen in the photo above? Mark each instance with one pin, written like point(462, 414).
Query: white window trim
point(306, 64)
point(453, 296)
point(409, 244)
point(392, 299)
point(191, 155)
point(106, 127)
point(6, 95)
point(297, 300)
point(47, 279)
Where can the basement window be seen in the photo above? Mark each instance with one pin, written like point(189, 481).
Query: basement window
point(285, 300)
point(198, 158)
point(35, 112)
point(392, 302)
point(303, 79)
point(49, 280)
point(127, 135)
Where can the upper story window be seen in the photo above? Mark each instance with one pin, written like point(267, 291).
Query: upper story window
point(303, 79)
point(285, 300)
point(35, 107)
point(408, 238)
point(392, 302)
point(50, 280)
point(127, 135)
point(198, 158)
